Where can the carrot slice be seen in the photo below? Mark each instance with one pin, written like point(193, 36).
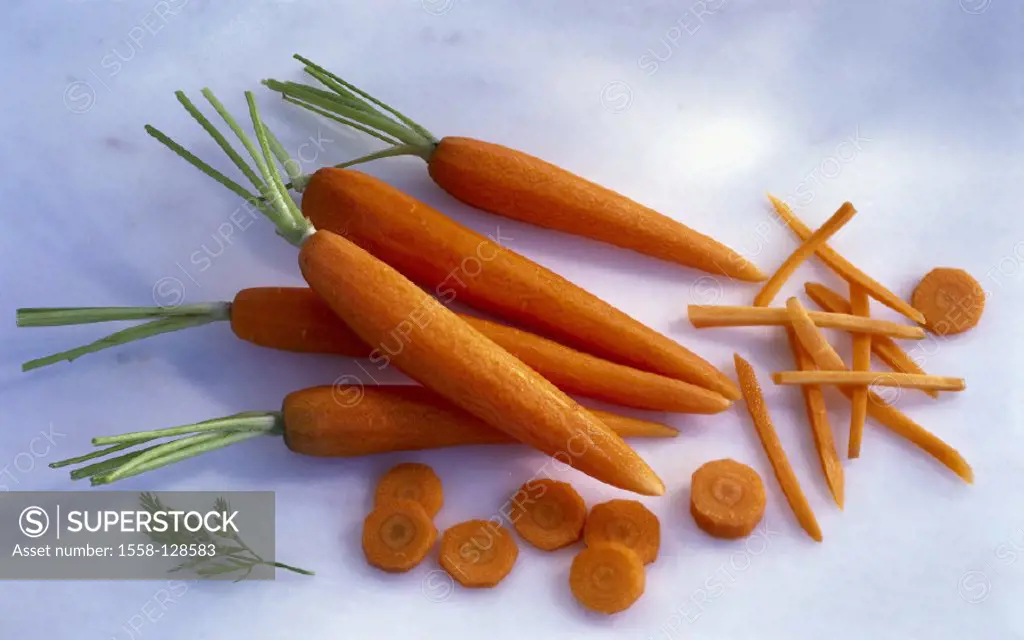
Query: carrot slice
point(478, 553)
point(844, 268)
point(885, 348)
point(411, 481)
point(950, 299)
point(817, 417)
point(861, 306)
point(726, 316)
point(548, 514)
point(869, 378)
point(896, 421)
point(607, 577)
point(398, 535)
point(771, 288)
point(625, 522)
point(773, 448)
point(727, 498)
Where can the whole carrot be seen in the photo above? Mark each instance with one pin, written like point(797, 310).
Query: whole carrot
point(296, 319)
point(333, 422)
point(514, 184)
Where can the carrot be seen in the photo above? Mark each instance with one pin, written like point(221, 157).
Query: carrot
point(550, 515)
point(861, 306)
point(607, 577)
point(625, 522)
point(411, 481)
point(423, 338)
point(950, 300)
point(398, 535)
point(296, 319)
point(773, 448)
point(478, 553)
point(725, 316)
point(860, 379)
point(727, 498)
point(885, 348)
point(844, 268)
point(817, 417)
point(514, 184)
point(826, 358)
point(434, 251)
point(340, 421)
point(771, 288)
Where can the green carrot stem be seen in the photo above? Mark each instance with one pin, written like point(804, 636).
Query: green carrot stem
point(345, 121)
point(397, 150)
point(108, 465)
point(162, 451)
point(265, 421)
point(95, 454)
point(221, 141)
point(281, 565)
point(63, 316)
point(242, 137)
point(284, 203)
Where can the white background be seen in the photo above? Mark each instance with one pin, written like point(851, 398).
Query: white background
point(695, 115)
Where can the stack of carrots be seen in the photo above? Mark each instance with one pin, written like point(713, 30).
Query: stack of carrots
point(381, 267)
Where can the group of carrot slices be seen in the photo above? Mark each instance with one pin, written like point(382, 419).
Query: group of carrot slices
point(382, 266)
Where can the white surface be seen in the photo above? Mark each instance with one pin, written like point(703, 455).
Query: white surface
point(745, 99)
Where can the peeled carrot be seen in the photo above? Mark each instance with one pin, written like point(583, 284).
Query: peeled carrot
point(607, 577)
point(885, 348)
point(411, 481)
point(514, 184)
point(550, 515)
point(296, 319)
point(337, 422)
point(625, 522)
point(773, 448)
point(950, 300)
point(478, 553)
point(861, 306)
point(727, 498)
point(398, 535)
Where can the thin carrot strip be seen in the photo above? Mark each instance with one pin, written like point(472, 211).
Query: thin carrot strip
point(702, 316)
point(884, 347)
point(844, 268)
point(817, 416)
point(896, 421)
point(868, 378)
point(811, 244)
point(861, 306)
point(773, 448)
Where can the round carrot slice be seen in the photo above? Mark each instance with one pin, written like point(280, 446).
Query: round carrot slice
point(727, 498)
point(398, 535)
point(607, 577)
point(548, 514)
point(626, 522)
point(950, 300)
point(478, 553)
point(411, 481)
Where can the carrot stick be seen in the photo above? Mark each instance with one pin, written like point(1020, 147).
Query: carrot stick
point(844, 268)
point(817, 417)
point(860, 305)
point(811, 244)
point(296, 319)
point(826, 358)
point(773, 448)
point(869, 378)
point(702, 316)
point(514, 184)
point(885, 348)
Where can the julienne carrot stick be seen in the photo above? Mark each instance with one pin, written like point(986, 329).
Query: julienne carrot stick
point(438, 349)
point(826, 358)
point(514, 184)
point(702, 316)
point(332, 422)
point(296, 319)
point(844, 268)
point(885, 348)
point(861, 306)
point(771, 288)
point(857, 379)
point(773, 449)
point(817, 417)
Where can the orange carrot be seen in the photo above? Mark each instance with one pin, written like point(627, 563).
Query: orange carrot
point(702, 316)
point(950, 300)
point(727, 498)
point(607, 577)
point(869, 378)
point(411, 481)
point(477, 553)
point(398, 535)
point(860, 305)
point(625, 522)
point(550, 516)
point(296, 319)
point(517, 185)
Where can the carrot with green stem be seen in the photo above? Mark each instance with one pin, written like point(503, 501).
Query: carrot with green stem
point(438, 349)
point(296, 319)
point(334, 422)
point(514, 184)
